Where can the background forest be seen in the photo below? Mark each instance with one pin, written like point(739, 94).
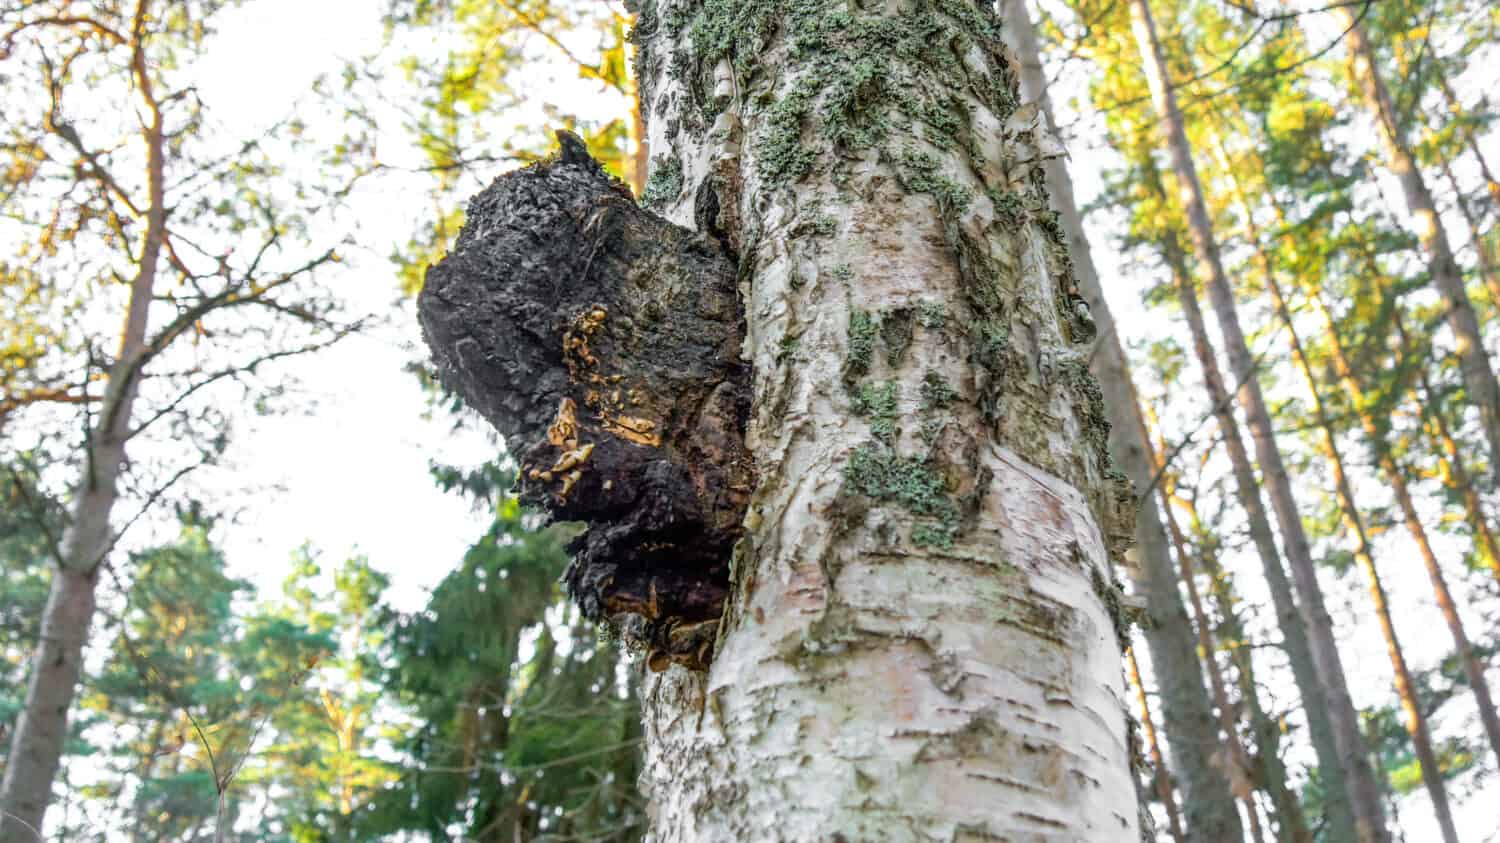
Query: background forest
point(315, 613)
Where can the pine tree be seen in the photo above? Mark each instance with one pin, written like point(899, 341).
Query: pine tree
point(1363, 789)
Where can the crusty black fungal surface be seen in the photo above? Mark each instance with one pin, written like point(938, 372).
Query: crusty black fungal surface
point(604, 343)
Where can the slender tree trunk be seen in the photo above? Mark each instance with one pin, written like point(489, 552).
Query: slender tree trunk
point(1394, 475)
point(1446, 276)
point(1271, 770)
point(36, 748)
point(1487, 269)
point(1416, 720)
point(1364, 790)
point(1452, 458)
point(1456, 109)
point(1354, 520)
point(1457, 475)
point(1160, 777)
point(1190, 732)
point(637, 155)
point(918, 643)
point(1270, 774)
point(1242, 777)
point(144, 773)
point(1288, 616)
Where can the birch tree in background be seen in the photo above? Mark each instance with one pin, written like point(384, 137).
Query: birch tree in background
point(1189, 721)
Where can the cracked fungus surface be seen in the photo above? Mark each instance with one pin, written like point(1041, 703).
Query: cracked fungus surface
point(603, 342)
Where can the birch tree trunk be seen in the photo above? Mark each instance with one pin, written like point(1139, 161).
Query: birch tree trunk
point(1364, 790)
point(1447, 278)
point(36, 748)
point(1188, 715)
point(919, 642)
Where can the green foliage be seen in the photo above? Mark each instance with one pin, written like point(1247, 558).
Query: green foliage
point(522, 722)
point(30, 521)
point(200, 689)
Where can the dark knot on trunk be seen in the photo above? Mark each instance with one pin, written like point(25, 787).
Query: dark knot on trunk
point(604, 343)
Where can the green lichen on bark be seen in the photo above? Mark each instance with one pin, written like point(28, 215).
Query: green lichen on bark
point(878, 403)
point(1088, 405)
point(936, 391)
point(862, 75)
point(780, 149)
point(665, 182)
point(895, 332)
point(990, 340)
point(1010, 205)
point(922, 173)
point(913, 483)
point(862, 333)
point(932, 315)
point(1111, 593)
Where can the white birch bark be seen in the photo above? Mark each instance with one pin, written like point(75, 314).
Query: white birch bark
point(1189, 721)
point(921, 645)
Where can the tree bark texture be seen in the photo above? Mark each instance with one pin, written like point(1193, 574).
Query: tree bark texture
point(1188, 716)
point(921, 635)
point(933, 511)
point(1364, 790)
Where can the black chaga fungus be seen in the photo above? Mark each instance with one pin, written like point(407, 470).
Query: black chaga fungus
point(604, 343)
